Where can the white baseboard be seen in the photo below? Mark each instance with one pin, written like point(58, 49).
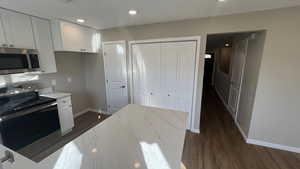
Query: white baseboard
point(81, 112)
point(193, 130)
point(99, 111)
point(90, 109)
point(241, 130)
point(272, 145)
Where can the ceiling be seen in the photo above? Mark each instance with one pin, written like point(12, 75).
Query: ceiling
point(114, 13)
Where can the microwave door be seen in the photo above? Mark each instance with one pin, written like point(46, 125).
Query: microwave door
point(13, 63)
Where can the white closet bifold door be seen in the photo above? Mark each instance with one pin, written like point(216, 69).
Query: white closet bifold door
point(163, 74)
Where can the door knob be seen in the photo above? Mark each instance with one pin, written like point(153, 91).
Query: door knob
point(8, 156)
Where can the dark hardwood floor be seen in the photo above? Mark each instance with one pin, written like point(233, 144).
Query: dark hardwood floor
point(221, 146)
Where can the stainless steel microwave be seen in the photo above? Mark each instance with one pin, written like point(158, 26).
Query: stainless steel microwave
point(18, 61)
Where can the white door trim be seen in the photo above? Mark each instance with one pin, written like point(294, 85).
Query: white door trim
point(198, 57)
point(124, 42)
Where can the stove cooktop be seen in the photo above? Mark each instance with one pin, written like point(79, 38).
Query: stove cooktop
point(22, 101)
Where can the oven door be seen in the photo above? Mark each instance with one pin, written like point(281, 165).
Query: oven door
point(13, 63)
point(21, 129)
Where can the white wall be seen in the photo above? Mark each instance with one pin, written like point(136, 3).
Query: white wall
point(95, 81)
point(276, 108)
point(70, 65)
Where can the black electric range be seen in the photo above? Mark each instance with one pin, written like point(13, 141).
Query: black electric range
point(26, 117)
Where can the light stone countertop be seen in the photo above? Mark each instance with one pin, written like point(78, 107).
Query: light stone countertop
point(135, 137)
point(56, 95)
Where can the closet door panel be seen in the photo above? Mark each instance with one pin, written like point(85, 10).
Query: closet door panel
point(146, 74)
point(170, 63)
point(186, 52)
point(178, 64)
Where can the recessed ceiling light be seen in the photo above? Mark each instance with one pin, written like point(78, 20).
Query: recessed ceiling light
point(132, 12)
point(80, 20)
point(221, 0)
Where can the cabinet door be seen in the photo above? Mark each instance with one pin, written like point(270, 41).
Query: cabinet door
point(72, 37)
point(18, 30)
point(91, 40)
point(44, 44)
point(3, 42)
point(66, 124)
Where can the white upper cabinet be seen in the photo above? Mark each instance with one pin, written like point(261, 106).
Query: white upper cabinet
point(75, 38)
point(2, 36)
point(44, 44)
point(17, 30)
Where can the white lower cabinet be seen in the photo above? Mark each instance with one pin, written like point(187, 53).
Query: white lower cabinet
point(65, 112)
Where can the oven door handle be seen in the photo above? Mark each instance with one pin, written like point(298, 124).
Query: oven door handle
point(28, 111)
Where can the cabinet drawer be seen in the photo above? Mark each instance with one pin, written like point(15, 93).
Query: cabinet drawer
point(64, 102)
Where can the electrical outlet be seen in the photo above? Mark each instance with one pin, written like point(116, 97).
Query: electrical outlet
point(69, 79)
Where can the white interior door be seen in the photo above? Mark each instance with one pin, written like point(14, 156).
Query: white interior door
point(114, 55)
point(237, 71)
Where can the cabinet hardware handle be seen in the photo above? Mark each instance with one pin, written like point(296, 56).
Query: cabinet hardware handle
point(151, 93)
point(8, 156)
point(4, 45)
point(169, 95)
point(11, 45)
point(123, 87)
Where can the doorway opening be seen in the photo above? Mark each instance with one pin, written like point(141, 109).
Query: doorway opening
point(232, 63)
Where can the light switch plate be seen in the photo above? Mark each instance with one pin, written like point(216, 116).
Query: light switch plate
point(53, 82)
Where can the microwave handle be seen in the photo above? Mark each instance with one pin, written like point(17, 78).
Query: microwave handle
point(29, 61)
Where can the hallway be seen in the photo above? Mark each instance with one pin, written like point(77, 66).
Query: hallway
point(221, 146)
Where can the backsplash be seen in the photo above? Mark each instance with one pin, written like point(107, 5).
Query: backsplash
point(8, 80)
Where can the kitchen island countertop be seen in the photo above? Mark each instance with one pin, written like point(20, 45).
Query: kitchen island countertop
point(135, 137)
